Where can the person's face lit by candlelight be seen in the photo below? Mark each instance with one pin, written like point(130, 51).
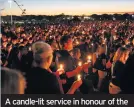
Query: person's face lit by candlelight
point(76, 53)
point(67, 43)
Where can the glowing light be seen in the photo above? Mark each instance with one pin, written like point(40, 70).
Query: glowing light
point(10, 2)
point(89, 58)
point(61, 66)
point(79, 77)
point(77, 42)
point(80, 64)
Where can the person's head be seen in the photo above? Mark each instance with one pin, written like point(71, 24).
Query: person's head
point(18, 34)
point(14, 40)
point(76, 53)
point(23, 35)
point(4, 45)
point(25, 41)
point(129, 48)
point(102, 49)
point(121, 54)
point(30, 40)
point(9, 39)
point(9, 46)
point(53, 44)
point(23, 50)
point(12, 82)
point(66, 42)
point(42, 53)
point(4, 38)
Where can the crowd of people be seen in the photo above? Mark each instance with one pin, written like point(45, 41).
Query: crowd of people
point(75, 58)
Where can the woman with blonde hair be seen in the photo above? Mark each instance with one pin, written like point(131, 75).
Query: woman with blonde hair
point(118, 66)
point(12, 82)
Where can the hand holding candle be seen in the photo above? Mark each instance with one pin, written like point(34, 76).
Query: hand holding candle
point(60, 70)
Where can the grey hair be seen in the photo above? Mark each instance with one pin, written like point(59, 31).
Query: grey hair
point(10, 81)
point(41, 47)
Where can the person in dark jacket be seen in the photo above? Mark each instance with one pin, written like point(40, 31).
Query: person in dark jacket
point(127, 80)
point(118, 67)
point(40, 79)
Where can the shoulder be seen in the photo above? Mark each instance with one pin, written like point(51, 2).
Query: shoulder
point(64, 53)
point(119, 66)
point(118, 63)
point(43, 73)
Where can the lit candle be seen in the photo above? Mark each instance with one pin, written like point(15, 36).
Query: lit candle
point(89, 58)
point(80, 64)
point(77, 42)
point(61, 66)
point(79, 77)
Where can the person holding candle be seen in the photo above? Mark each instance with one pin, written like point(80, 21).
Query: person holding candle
point(40, 79)
point(54, 46)
point(100, 65)
point(71, 69)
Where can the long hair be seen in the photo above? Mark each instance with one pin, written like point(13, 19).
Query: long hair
point(10, 81)
point(119, 53)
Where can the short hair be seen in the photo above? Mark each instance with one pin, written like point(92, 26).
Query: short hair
point(50, 41)
point(40, 47)
point(64, 39)
point(21, 48)
point(14, 38)
point(9, 44)
point(10, 81)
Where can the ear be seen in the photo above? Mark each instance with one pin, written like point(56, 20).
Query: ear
point(48, 59)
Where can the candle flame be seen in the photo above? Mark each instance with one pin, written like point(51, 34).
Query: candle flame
point(80, 63)
point(61, 66)
point(79, 77)
point(89, 57)
point(77, 42)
